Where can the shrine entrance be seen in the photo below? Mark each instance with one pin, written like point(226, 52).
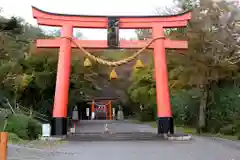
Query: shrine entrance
point(101, 108)
point(159, 43)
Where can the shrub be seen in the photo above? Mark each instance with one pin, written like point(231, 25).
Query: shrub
point(24, 127)
point(1, 122)
point(224, 111)
point(3, 114)
point(34, 129)
point(228, 130)
point(12, 137)
point(185, 105)
point(18, 124)
point(237, 126)
point(147, 114)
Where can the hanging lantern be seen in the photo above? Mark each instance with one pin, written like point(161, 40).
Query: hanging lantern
point(87, 63)
point(139, 64)
point(113, 75)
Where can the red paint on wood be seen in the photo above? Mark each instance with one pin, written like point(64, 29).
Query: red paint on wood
point(47, 15)
point(80, 24)
point(137, 25)
point(102, 44)
point(156, 19)
point(161, 75)
point(133, 22)
point(63, 74)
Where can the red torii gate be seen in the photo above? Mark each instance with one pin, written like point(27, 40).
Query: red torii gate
point(68, 22)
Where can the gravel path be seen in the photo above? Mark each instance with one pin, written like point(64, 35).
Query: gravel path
point(200, 148)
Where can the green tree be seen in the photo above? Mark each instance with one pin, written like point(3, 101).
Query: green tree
point(213, 36)
point(212, 47)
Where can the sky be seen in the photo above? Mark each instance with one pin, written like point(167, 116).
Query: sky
point(22, 8)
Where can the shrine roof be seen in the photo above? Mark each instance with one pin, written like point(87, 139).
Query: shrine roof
point(104, 98)
point(116, 16)
point(101, 99)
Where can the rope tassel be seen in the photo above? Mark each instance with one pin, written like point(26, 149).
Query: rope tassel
point(113, 75)
point(139, 64)
point(87, 63)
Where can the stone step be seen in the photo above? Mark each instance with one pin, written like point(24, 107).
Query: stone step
point(141, 136)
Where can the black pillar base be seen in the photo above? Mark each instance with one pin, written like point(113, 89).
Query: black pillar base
point(59, 126)
point(165, 125)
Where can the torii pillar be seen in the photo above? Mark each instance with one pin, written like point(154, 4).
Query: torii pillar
point(165, 120)
point(68, 22)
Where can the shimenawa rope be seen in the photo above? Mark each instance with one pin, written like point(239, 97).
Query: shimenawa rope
point(113, 63)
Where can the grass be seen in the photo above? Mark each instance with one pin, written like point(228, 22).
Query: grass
point(14, 139)
point(189, 130)
point(193, 131)
point(44, 144)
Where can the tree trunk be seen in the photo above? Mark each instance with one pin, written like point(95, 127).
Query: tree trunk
point(202, 110)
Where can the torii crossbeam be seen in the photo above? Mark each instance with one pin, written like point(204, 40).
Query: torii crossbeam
point(68, 22)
